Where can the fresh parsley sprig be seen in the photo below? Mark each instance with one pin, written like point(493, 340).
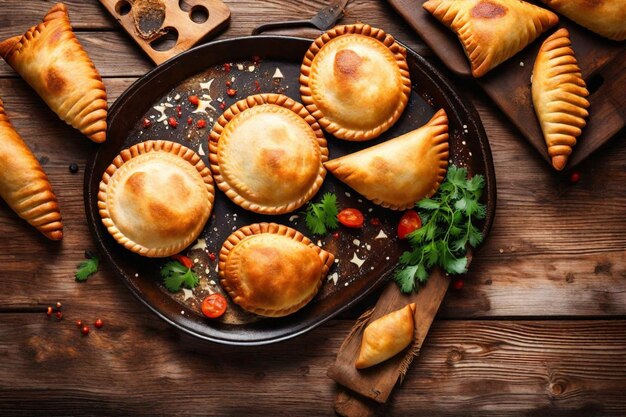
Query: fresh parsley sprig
point(176, 275)
point(322, 217)
point(87, 268)
point(447, 228)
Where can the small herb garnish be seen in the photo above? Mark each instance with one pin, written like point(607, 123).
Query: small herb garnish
point(87, 268)
point(176, 275)
point(447, 230)
point(322, 217)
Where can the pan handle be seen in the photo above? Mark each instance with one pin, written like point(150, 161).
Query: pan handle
point(282, 25)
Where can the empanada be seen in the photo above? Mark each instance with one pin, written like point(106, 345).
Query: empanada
point(272, 270)
point(401, 171)
point(492, 31)
point(50, 59)
point(24, 185)
point(604, 17)
point(559, 92)
point(355, 81)
point(386, 337)
point(156, 197)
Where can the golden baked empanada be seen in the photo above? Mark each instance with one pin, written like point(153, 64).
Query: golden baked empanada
point(492, 31)
point(559, 93)
point(156, 197)
point(355, 81)
point(271, 269)
point(50, 59)
point(386, 337)
point(604, 17)
point(401, 171)
point(266, 153)
point(24, 185)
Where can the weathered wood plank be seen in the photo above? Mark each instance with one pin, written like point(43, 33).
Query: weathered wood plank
point(493, 368)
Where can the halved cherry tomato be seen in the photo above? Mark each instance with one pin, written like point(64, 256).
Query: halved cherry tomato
point(351, 217)
point(409, 222)
point(214, 305)
point(183, 260)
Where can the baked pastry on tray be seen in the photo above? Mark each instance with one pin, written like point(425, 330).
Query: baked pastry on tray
point(50, 58)
point(386, 337)
point(604, 17)
point(492, 31)
point(559, 96)
point(355, 81)
point(23, 184)
point(272, 270)
point(401, 171)
point(156, 197)
point(266, 153)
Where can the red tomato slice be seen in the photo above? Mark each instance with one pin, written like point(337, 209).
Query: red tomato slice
point(183, 260)
point(214, 305)
point(351, 217)
point(409, 222)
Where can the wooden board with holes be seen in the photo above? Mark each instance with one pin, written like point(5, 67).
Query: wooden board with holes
point(602, 62)
point(184, 27)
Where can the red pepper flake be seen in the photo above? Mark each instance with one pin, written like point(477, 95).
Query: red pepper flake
point(79, 323)
point(85, 330)
point(212, 256)
point(227, 67)
point(49, 311)
point(201, 124)
point(99, 323)
point(179, 110)
point(189, 120)
point(146, 123)
point(222, 105)
point(231, 92)
point(194, 100)
point(172, 122)
point(59, 315)
point(574, 177)
point(257, 86)
point(458, 284)
point(374, 221)
point(256, 59)
point(228, 83)
point(336, 235)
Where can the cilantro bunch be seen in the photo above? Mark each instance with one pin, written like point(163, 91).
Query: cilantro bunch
point(175, 275)
point(322, 217)
point(447, 228)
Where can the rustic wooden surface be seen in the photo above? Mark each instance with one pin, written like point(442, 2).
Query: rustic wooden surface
point(538, 330)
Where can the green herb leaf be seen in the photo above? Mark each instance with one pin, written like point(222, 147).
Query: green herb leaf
point(87, 268)
point(322, 217)
point(175, 276)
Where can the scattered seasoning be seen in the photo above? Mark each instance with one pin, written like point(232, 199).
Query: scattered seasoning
point(374, 221)
point(59, 315)
point(73, 168)
point(179, 111)
point(146, 123)
point(227, 67)
point(99, 323)
point(336, 235)
point(228, 83)
point(79, 323)
point(49, 311)
point(222, 105)
point(172, 122)
point(574, 177)
point(231, 92)
point(201, 124)
point(189, 121)
point(257, 86)
point(212, 256)
point(194, 100)
point(85, 330)
point(256, 59)
point(458, 284)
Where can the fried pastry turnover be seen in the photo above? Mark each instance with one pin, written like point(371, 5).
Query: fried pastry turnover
point(355, 81)
point(401, 171)
point(492, 31)
point(272, 270)
point(23, 183)
point(559, 96)
point(604, 17)
point(50, 58)
point(386, 337)
point(155, 198)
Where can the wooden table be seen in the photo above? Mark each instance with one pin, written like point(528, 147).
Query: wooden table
point(538, 330)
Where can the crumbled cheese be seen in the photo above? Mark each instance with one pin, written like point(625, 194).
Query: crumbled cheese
point(207, 270)
point(212, 282)
point(177, 97)
point(348, 194)
point(381, 235)
point(188, 294)
point(240, 67)
point(356, 242)
point(293, 218)
point(251, 68)
point(168, 105)
point(196, 260)
point(521, 64)
point(215, 229)
point(368, 246)
point(277, 73)
point(357, 261)
point(333, 277)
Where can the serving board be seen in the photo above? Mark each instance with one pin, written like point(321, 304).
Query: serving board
point(252, 64)
point(602, 63)
point(183, 28)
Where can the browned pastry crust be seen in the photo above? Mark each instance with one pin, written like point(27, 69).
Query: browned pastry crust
point(559, 92)
point(266, 153)
point(492, 31)
point(604, 17)
point(156, 197)
point(355, 81)
point(24, 185)
point(50, 58)
point(272, 270)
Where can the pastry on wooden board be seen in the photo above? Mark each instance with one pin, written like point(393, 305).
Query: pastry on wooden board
point(604, 17)
point(355, 81)
point(492, 31)
point(401, 171)
point(50, 58)
point(266, 153)
point(155, 198)
point(386, 336)
point(559, 96)
point(272, 270)
point(23, 183)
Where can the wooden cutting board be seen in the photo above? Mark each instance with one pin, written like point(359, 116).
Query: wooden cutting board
point(603, 64)
point(185, 23)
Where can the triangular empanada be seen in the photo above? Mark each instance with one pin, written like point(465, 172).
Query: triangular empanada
point(401, 171)
point(50, 59)
point(492, 31)
point(386, 337)
point(604, 17)
point(559, 93)
point(24, 185)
